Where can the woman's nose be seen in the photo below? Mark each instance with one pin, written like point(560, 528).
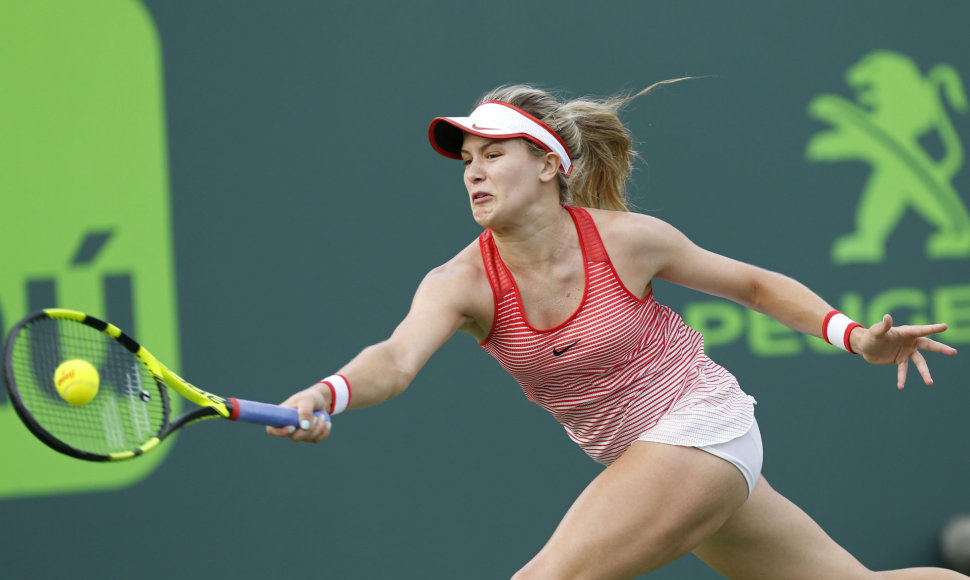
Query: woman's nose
point(473, 172)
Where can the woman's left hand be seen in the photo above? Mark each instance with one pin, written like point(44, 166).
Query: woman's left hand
point(884, 344)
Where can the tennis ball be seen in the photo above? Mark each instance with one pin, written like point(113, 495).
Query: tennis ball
point(955, 543)
point(76, 381)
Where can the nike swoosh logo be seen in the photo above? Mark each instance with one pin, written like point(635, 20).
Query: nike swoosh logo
point(562, 351)
point(474, 126)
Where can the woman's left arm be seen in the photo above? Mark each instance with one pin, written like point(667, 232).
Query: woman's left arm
point(676, 259)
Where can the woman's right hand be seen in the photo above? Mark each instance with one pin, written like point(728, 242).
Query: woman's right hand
point(310, 429)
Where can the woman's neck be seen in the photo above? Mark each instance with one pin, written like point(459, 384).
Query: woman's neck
point(544, 238)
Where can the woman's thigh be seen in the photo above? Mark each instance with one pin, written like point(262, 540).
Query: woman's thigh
point(770, 537)
point(651, 506)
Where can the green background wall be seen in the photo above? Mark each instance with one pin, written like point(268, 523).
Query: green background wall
point(304, 205)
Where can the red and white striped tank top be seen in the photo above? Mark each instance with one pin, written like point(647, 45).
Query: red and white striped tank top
point(620, 368)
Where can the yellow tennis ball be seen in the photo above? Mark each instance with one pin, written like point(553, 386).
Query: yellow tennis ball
point(76, 381)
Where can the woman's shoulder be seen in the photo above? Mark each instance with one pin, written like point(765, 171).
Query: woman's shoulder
point(611, 216)
point(462, 284)
point(624, 228)
point(464, 274)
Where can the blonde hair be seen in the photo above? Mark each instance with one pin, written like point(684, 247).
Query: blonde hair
point(600, 145)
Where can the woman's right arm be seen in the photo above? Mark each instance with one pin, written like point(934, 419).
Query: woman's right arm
point(447, 300)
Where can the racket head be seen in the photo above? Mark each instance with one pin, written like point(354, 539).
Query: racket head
point(128, 416)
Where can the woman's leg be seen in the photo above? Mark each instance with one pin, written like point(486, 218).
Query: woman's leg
point(922, 574)
point(770, 537)
point(651, 506)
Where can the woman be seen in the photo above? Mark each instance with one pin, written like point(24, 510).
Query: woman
point(558, 289)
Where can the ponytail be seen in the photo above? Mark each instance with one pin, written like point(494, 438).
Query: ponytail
point(601, 146)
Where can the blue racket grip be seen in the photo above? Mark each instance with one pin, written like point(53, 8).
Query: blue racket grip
point(266, 414)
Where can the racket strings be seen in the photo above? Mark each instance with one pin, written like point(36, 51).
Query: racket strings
point(129, 409)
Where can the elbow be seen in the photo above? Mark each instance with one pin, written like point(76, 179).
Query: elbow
point(761, 289)
point(398, 381)
point(397, 375)
point(756, 296)
point(770, 292)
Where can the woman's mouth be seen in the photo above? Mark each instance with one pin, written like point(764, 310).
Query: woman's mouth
point(481, 196)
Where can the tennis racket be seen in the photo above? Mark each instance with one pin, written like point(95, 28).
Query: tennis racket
point(130, 414)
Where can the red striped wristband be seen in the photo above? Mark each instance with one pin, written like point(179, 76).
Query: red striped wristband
point(339, 393)
point(836, 329)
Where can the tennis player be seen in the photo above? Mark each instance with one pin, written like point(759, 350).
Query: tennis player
point(558, 289)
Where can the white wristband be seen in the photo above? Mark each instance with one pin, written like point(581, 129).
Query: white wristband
point(836, 330)
point(339, 393)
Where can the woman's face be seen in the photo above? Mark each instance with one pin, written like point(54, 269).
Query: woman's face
point(503, 178)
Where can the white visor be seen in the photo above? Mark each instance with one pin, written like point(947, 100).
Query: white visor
point(496, 120)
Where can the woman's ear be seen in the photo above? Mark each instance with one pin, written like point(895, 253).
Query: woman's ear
point(550, 167)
